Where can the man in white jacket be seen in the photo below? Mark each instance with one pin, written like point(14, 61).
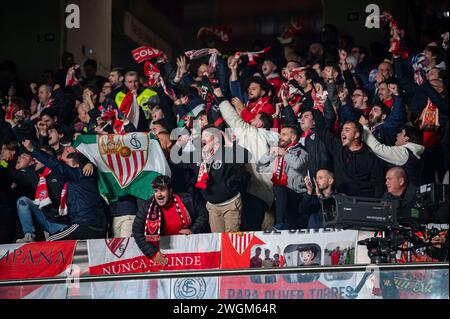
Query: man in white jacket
point(406, 153)
point(257, 139)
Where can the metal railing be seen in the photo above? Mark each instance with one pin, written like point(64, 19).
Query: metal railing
point(222, 272)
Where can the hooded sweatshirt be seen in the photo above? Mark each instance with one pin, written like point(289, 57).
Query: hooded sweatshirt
point(407, 156)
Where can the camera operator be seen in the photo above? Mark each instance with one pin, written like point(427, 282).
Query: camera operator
point(399, 188)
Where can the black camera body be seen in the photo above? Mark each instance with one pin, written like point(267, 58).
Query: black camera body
point(432, 202)
point(342, 211)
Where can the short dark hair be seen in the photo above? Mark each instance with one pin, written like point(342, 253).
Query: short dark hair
point(49, 112)
point(267, 120)
point(120, 71)
point(201, 113)
point(415, 135)
point(58, 129)
point(435, 51)
point(11, 145)
point(78, 158)
point(312, 75)
point(358, 127)
point(161, 182)
point(262, 82)
point(384, 109)
point(364, 91)
point(293, 128)
point(328, 169)
point(162, 123)
point(93, 89)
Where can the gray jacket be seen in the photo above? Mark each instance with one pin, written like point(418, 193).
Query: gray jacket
point(296, 167)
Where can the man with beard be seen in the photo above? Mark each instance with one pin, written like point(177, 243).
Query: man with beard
point(311, 203)
point(358, 171)
point(258, 100)
point(305, 80)
point(289, 165)
point(166, 214)
point(384, 122)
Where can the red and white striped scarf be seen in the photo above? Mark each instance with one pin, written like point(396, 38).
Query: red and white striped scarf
point(203, 173)
point(154, 215)
point(155, 79)
point(71, 78)
point(196, 54)
point(252, 55)
point(42, 198)
point(279, 177)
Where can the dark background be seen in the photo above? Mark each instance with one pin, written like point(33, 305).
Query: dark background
point(34, 35)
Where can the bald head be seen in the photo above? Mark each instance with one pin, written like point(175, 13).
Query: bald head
point(396, 181)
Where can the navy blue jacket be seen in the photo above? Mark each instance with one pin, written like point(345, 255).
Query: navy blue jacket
point(84, 203)
point(415, 95)
point(386, 133)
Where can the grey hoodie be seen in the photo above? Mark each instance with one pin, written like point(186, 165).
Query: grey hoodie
point(296, 167)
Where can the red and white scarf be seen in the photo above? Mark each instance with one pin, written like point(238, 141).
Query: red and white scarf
point(42, 198)
point(279, 177)
point(9, 116)
point(154, 216)
point(203, 174)
point(319, 97)
point(252, 55)
point(155, 79)
point(256, 107)
point(196, 54)
point(41, 107)
point(429, 117)
point(71, 77)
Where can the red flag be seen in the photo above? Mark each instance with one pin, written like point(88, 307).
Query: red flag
point(145, 53)
point(236, 249)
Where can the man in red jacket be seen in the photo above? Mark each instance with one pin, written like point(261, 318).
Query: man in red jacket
point(258, 100)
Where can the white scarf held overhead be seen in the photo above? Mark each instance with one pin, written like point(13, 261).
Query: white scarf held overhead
point(196, 54)
point(252, 55)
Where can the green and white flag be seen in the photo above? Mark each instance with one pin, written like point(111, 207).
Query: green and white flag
point(127, 164)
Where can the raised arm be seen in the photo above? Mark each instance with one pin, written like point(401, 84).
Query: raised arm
point(332, 143)
point(392, 154)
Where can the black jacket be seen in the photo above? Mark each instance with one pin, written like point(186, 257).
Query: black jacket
point(319, 158)
point(223, 183)
point(358, 173)
point(8, 214)
point(26, 180)
point(55, 185)
point(198, 213)
point(406, 213)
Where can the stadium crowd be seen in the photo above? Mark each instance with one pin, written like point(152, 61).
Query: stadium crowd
point(331, 118)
